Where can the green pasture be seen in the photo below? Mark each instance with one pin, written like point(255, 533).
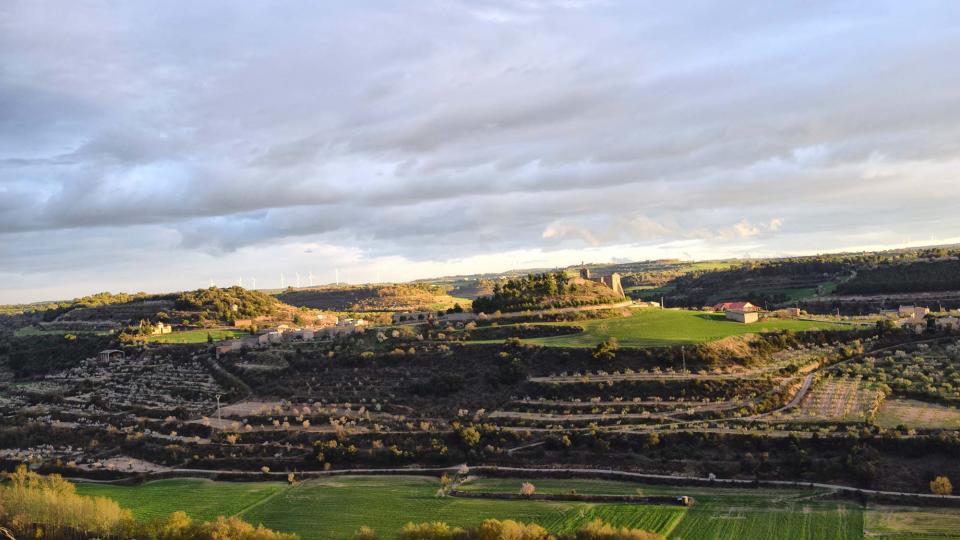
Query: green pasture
point(664, 327)
point(28, 331)
point(201, 499)
point(198, 336)
point(336, 507)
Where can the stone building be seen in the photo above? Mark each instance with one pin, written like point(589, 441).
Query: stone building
point(611, 282)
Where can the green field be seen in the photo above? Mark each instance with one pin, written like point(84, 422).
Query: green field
point(28, 331)
point(202, 499)
point(198, 336)
point(336, 507)
point(662, 327)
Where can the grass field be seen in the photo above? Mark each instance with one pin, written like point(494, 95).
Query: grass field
point(337, 507)
point(660, 327)
point(202, 499)
point(917, 414)
point(890, 523)
point(198, 336)
point(28, 331)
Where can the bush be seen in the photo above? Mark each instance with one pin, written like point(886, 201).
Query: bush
point(941, 486)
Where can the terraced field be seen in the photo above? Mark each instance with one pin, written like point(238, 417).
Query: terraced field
point(662, 327)
point(838, 400)
point(337, 507)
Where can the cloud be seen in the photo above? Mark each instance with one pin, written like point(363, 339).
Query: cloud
point(454, 130)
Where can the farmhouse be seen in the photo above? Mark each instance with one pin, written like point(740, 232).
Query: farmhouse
point(735, 306)
point(611, 282)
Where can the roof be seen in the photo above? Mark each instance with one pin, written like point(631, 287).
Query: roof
point(735, 306)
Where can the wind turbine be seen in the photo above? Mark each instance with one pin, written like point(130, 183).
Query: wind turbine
point(282, 286)
point(254, 280)
point(336, 273)
point(240, 281)
point(298, 280)
point(310, 277)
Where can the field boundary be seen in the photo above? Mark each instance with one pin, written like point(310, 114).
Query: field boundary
point(682, 501)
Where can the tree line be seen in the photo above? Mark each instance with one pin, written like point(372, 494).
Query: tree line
point(914, 277)
point(37, 506)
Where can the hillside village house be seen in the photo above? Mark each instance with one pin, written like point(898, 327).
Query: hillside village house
point(161, 329)
point(913, 311)
point(948, 323)
point(110, 354)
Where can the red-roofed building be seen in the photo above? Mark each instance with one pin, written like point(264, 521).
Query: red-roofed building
point(735, 306)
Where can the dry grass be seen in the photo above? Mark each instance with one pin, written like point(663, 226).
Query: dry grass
point(897, 520)
point(917, 414)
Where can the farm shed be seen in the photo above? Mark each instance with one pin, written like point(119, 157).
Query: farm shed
point(743, 316)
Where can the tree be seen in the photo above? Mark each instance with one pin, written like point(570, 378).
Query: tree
point(606, 351)
point(470, 436)
point(941, 486)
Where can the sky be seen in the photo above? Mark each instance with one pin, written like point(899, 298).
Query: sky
point(161, 146)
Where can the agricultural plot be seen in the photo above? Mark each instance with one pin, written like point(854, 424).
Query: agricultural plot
point(808, 521)
point(917, 414)
point(336, 507)
point(663, 327)
point(200, 499)
point(897, 522)
point(722, 513)
point(838, 400)
point(932, 373)
point(197, 336)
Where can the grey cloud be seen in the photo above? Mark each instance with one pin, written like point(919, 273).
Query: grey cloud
point(445, 129)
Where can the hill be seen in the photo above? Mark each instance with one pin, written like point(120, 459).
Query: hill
point(370, 298)
point(544, 291)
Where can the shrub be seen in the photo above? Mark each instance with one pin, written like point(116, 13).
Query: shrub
point(598, 530)
point(941, 486)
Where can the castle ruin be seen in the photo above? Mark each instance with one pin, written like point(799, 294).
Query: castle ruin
point(611, 282)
